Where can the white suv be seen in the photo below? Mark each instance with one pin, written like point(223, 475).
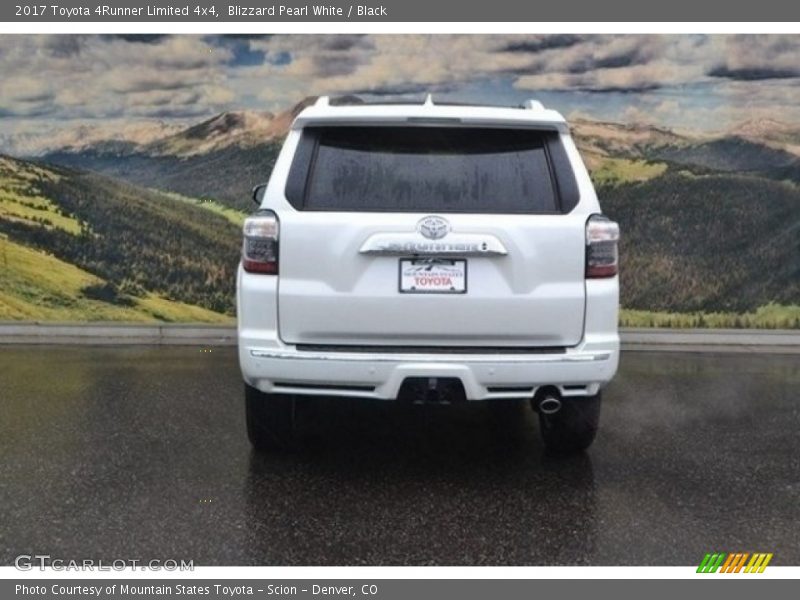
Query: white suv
point(428, 252)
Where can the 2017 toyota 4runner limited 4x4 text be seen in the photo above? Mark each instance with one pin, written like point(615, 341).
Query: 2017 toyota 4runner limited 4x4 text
point(424, 251)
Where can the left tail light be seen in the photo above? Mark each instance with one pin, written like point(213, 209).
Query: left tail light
point(261, 242)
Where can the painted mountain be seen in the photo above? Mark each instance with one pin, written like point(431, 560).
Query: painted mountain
point(135, 227)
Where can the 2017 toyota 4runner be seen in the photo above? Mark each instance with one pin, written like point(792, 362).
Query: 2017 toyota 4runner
point(425, 252)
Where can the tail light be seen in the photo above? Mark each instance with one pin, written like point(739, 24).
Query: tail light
point(602, 236)
point(260, 245)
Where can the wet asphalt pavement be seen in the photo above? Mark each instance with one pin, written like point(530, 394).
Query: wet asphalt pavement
point(141, 453)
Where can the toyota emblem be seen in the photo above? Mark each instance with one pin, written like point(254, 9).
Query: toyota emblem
point(433, 228)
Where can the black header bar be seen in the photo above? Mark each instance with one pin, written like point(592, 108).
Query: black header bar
point(473, 11)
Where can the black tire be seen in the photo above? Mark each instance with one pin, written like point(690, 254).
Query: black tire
point(573, 428)
point(270, 419)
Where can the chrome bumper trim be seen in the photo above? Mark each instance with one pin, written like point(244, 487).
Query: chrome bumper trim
point(288, 354)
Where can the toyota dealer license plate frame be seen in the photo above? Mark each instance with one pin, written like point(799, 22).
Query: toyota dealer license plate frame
point(432, 276)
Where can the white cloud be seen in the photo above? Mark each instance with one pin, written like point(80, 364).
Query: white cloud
point(65, 77)
point(103, 77)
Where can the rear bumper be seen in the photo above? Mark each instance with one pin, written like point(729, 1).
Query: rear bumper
point(272, 366)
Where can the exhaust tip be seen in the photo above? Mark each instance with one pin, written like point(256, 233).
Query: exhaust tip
point(549, 405)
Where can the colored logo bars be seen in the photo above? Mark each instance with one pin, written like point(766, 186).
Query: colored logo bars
point(734, 562)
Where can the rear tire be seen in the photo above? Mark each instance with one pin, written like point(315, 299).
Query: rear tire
point(270, 419)
point(573, 428)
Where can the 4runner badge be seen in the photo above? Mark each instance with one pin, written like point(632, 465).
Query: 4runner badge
point(433, 228)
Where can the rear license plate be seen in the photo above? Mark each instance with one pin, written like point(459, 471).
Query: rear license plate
point(433, 275)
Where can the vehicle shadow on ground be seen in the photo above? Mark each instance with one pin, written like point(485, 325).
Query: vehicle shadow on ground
point(460, 485)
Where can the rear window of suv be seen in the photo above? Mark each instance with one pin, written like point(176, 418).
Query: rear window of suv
point(424, 169)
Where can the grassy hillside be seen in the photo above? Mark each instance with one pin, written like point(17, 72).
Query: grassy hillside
point(35, 286)
point(728, 154)
point(607, 171)
point(226, 175)
point(125, 252)
point(233, 215)
point(21, 200)
point(770, 316)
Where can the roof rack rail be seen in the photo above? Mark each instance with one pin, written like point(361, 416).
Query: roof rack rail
point(531, 104)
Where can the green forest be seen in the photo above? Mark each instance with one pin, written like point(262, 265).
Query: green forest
point(707, 243)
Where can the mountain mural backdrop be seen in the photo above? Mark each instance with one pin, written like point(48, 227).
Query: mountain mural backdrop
point(127, 230)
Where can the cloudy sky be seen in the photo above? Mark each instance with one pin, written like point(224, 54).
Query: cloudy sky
point(684, 81)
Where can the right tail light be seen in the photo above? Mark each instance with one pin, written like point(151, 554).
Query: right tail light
point(260, 246)
point(602, 258)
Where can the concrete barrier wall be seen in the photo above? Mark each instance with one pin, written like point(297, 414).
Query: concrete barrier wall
point(117, 334)
point(776, 341)
point(678, 340)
